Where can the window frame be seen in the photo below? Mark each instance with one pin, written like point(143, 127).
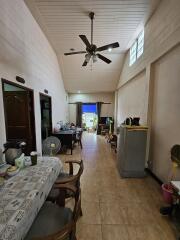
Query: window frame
point(140, 42)
point(135, 53)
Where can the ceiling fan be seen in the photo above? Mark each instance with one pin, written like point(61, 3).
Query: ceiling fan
point(91, 49)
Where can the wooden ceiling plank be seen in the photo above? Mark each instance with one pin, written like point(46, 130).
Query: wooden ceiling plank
point(115, 20)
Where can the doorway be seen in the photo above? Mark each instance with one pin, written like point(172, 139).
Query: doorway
point(19, 114)
point(46, 116)
point(89, 116)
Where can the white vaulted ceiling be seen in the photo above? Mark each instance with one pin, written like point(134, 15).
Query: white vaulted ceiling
point(115, 20)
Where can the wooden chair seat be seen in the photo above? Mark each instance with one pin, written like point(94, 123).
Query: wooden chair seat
point(49, 220)
point(54, 222)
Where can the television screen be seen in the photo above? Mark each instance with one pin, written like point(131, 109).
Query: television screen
point(103, 120)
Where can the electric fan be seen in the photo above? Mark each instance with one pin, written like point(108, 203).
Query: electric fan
point(51, 146)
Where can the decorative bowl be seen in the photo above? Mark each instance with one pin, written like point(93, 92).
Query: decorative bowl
point(12, 171)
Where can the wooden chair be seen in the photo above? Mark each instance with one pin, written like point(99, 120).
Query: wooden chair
point(79, 138)
point(54, 222)
point(55, 196)
point(113, 141)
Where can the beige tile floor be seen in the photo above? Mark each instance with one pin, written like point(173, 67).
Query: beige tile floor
point(116, 208)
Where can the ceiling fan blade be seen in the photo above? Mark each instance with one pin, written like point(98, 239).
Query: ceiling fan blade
point(106, 47)
point(85, 40)
point(71, 53)
point(84, 63)
point(103, 58)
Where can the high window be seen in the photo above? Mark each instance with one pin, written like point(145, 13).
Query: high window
point(137, 49)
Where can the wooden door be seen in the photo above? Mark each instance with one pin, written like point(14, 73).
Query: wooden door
point(18, 117)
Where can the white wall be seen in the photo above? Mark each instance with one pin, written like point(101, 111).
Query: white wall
point(132, 100)
point(162, 34)
point(165, 112)
point(25, 51)
point(107, 110)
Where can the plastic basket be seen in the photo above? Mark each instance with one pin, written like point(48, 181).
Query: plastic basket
point(167, 193)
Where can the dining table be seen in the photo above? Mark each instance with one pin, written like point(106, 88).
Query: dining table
point(22, 196)
point(67, 138)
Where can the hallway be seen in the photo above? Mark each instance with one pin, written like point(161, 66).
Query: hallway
point(115, 208)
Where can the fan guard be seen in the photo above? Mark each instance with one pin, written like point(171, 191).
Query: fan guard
point(51, 146)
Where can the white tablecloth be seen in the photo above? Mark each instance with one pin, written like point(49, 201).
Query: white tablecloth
point(23, 195)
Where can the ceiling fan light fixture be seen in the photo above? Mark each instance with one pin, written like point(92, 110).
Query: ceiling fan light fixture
point(87, 57)
point(94, 58)
point(91, 49)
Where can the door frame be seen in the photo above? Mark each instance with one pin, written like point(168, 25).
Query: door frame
point(5, 81)
point(91, 103)
point(50, 98)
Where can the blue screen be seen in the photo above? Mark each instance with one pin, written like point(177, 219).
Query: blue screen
point(89, 108)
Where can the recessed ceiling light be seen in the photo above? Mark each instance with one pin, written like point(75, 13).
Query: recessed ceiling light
point(109, 49)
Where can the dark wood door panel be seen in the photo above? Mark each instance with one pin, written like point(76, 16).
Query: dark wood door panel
point(19, 117)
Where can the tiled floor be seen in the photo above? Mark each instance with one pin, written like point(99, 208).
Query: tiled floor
point(115, 208)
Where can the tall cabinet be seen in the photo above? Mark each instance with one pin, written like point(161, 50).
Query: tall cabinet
point(131, 151)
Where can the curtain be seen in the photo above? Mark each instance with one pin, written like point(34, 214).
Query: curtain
point(98, 105)
point(78, 114)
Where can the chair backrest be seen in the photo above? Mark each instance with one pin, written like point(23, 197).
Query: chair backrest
point(71, 169)
point(72, 179)
point(81, 168)
point(79, 135)
point(79, 173)
point(114, 138)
